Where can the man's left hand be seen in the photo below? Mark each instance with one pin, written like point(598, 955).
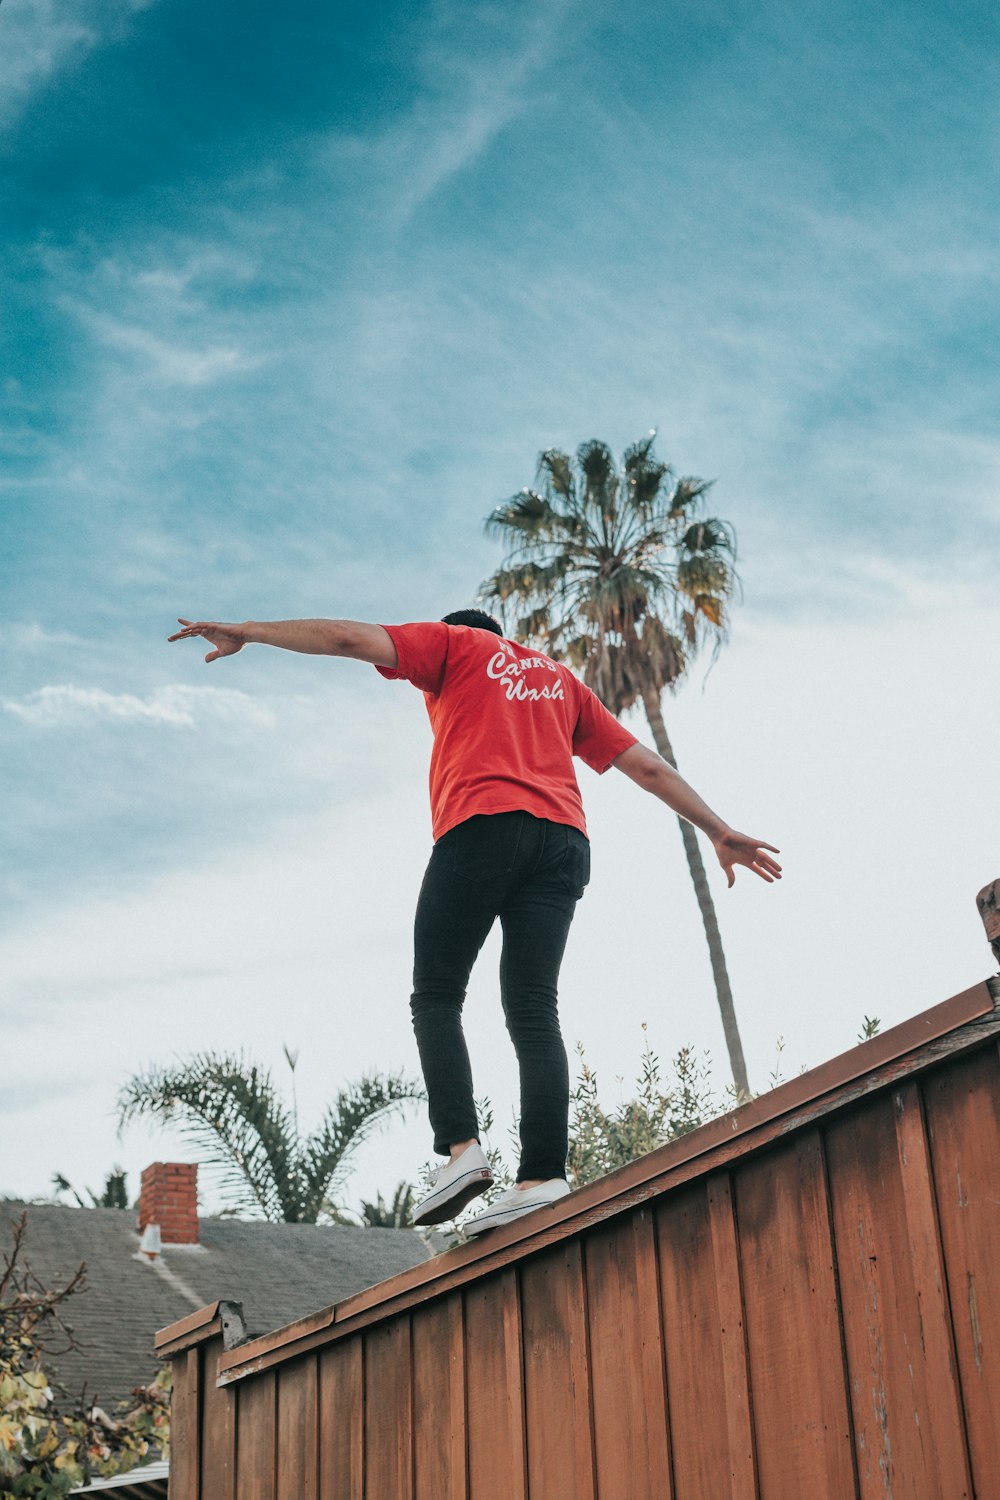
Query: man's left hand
point(227, 639)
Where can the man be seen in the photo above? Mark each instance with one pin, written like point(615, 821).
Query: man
point(510, 842)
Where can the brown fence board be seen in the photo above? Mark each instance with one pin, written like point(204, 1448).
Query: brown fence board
point(298, 1430)
point(495, 1389)
point(388, 1423)
point(965, 1149)
point(735, 1385)
point(699, 1429)
point(930, 1286)
point(800, 1411)
point(218, 1428)
point(185, 1425)
point(631, 1447)
point(439, 1400)
point(557, 1376)
point(256, 1436)
point(341, 1422)
point(901, 1379)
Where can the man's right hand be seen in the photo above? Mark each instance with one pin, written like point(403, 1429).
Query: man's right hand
point(739, 849)
point(227, 639)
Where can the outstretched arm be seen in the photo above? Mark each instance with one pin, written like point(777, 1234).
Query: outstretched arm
point(653, 774)
point(351, 638)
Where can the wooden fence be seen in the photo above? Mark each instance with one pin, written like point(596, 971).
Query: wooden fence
point(799, 1301)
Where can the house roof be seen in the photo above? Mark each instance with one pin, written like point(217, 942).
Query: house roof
point(278, 1271)
point(146, 1483)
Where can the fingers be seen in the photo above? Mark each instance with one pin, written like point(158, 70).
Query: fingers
point(190, 628)
point(740, 849)
point(212, 655)
point(762, 864)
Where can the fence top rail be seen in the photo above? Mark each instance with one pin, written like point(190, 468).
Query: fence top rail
point(225, 1318)
point(866, 1066)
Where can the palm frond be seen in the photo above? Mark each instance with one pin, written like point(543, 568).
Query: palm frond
point(557, 470)
point(600, 479)
point(686, 492)
point(703, 573)
point(534, 625)
point(711, 535)
point(526, 580)
point(355, 1113)
point(528, 513)
point(637, 455)
point(665, 655)
point(231, 1110)
point(397, 1215)
point(643, 476)
point(619, 596)
point(577, 651)
point(713, 608)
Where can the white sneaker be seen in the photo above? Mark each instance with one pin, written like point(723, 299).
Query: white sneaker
point(455, 1185)
point(515, 1203)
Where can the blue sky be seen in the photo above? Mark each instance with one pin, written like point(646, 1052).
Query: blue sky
point(291, 299)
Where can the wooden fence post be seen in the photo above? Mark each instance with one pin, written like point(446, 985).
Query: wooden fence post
point(194, 1403)
point(988, 902)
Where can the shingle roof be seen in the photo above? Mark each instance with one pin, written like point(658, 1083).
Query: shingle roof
point(146, 1483)
point(279, 1272)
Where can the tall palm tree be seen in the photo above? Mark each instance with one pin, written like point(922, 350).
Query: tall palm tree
point(617, 572)
point(231, 1109)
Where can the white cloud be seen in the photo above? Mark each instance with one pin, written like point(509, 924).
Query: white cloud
point(172, 363)
point(40, 37)
point(178, 706)
point(36, 39)
point(476, 84)
point(29, 635)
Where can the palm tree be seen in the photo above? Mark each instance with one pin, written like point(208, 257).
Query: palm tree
point(380, 1215)
point(115, 1194)
point(617, 573)
point(231, 1109)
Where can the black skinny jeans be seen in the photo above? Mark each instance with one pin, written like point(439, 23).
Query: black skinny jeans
point(530, 873)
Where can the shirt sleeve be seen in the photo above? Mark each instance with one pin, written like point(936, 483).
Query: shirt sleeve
point(598, 738)
point(423, 654)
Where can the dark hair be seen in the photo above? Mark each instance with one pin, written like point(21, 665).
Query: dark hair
point(477, 618)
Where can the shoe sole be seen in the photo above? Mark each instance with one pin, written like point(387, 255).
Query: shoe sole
point(447, 1208)
point(509, 1216)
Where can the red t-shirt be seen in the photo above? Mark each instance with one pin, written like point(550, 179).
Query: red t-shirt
point(507, 722)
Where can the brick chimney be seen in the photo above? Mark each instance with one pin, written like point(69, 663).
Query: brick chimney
point(169, 1197)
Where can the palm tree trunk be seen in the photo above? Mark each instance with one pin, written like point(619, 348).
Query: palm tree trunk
point(651, 703)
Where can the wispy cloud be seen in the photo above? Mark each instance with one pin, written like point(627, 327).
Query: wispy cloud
point(37, 37)
point(40, 37)
point(29, 635)
point(477, 81)
point(177, 706)
point(171, 363)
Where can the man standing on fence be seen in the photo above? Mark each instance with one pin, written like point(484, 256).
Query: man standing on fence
point(510, 842)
